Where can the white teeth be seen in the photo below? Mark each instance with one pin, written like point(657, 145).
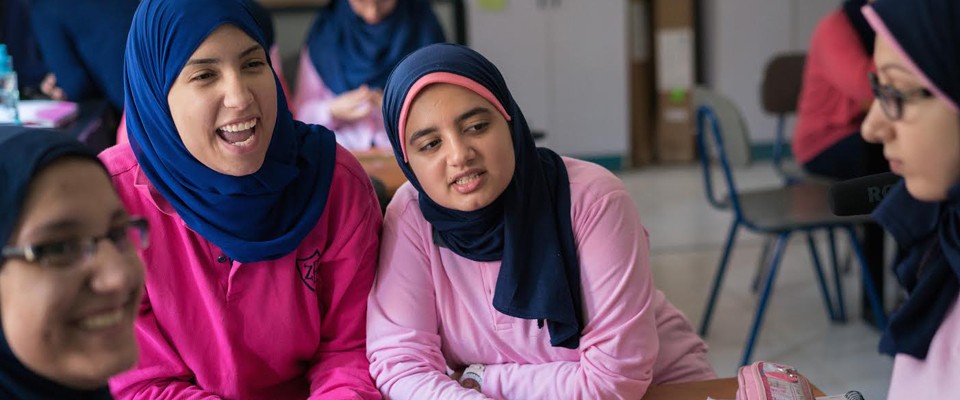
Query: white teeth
point(466, 179)
point(244, 143)
point(101, 321)
point(240, 127)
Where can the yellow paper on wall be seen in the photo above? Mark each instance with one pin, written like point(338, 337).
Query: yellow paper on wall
point(492, 5)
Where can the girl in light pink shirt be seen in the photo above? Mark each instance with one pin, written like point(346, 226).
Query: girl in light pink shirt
point(916, 119)
point(508, 271)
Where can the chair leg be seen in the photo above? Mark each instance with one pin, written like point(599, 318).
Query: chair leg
point(718, 278)
point(764, 297)
point(873, 295)
point(762, 263)
point(818, 268)
point(841, 309)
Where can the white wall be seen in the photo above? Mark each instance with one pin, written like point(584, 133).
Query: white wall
point(741, 35)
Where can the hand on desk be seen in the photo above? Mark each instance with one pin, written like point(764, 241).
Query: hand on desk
point(49, 87)
point(356, 104)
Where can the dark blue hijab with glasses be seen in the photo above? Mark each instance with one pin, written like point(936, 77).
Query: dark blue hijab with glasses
point(348, 52)
point(261, 216)
point(927, 32)
point(23, 153)
point(527, 228)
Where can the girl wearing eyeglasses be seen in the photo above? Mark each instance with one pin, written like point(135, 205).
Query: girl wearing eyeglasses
point(917, 120)
point(70, 279)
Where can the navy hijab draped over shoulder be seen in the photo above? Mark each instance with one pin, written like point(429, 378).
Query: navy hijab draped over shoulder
point(347, 52)
point(261, 216)
point(23, 153)
point(528, 228)
point(929, 266)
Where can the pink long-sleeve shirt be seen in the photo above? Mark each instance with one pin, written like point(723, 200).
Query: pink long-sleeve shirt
point(312, 104)
point(431, 309)
point(291, 328)
point(836, 91)
point(936, 376)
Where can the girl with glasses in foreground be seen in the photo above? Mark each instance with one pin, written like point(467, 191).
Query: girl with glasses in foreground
point(70, 279)
point(916, 119)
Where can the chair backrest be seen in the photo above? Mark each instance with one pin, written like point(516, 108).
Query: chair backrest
point(720, 134)
point(782, 80)
point(736, 135)
point(779, 93)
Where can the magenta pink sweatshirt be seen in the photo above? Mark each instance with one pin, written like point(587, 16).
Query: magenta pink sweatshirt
point(291, 328)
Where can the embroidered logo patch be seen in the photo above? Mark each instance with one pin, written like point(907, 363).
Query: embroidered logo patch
point(308, 269)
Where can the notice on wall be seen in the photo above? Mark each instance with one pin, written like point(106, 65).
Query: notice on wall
point(492, 5)
point(674, 59)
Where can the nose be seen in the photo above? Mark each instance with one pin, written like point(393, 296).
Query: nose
point(373, 15)
point(460, 152)
point(114, 270)
point(876, 127)
point(237, 93)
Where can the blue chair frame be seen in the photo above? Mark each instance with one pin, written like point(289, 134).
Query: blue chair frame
point(824, 220)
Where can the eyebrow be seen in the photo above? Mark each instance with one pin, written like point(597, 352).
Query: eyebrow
point(195, 61)
point(69, 224)
point(463, 117)
point(896, 67)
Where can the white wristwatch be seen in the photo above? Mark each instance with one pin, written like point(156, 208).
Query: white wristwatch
point(474, 372)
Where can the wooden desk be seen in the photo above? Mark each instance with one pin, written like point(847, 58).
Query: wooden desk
point(382, 165)
point(721, 389)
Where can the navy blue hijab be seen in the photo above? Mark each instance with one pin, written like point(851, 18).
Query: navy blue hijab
point(23, 153)
point(527, 228)
point(859, 23)
point(347, 52)
point(262, 216)
point(928, 233)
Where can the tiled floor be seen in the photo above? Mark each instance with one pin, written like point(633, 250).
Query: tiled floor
point(686, 242)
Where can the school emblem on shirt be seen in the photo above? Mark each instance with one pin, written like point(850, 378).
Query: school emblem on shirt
point(308, 270)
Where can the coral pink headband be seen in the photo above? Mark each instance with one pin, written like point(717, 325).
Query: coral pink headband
point(441, 77)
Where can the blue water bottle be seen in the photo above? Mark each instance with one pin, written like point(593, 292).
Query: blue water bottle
point(9, 92)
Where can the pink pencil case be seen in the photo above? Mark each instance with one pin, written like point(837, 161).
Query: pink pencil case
point(770, 381)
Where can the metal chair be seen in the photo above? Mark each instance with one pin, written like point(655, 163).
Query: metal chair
point(779, 211)
point(779, 93)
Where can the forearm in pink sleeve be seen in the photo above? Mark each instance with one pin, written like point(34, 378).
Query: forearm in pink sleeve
point(160, 373)
point(619, 344)
point(402, 340)
point(312, 98)
point(341, 369)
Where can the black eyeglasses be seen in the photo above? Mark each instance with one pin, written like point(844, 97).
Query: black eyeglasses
point(892, 99)
point(132, 235)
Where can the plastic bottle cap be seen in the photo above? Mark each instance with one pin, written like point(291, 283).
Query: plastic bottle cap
point(5, 62)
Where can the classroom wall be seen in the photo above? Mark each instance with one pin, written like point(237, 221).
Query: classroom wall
point(741, 35)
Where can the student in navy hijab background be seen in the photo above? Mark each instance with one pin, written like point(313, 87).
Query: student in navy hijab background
point(82, 43)
point(16, 33)
point(350, 49)
point(265, 231)
point(917, 120)
point(70, 279)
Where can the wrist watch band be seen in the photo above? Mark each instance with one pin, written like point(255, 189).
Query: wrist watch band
point(474, 372)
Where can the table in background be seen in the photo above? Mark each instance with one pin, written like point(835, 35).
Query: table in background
point(382, 165)
point(720, 389)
